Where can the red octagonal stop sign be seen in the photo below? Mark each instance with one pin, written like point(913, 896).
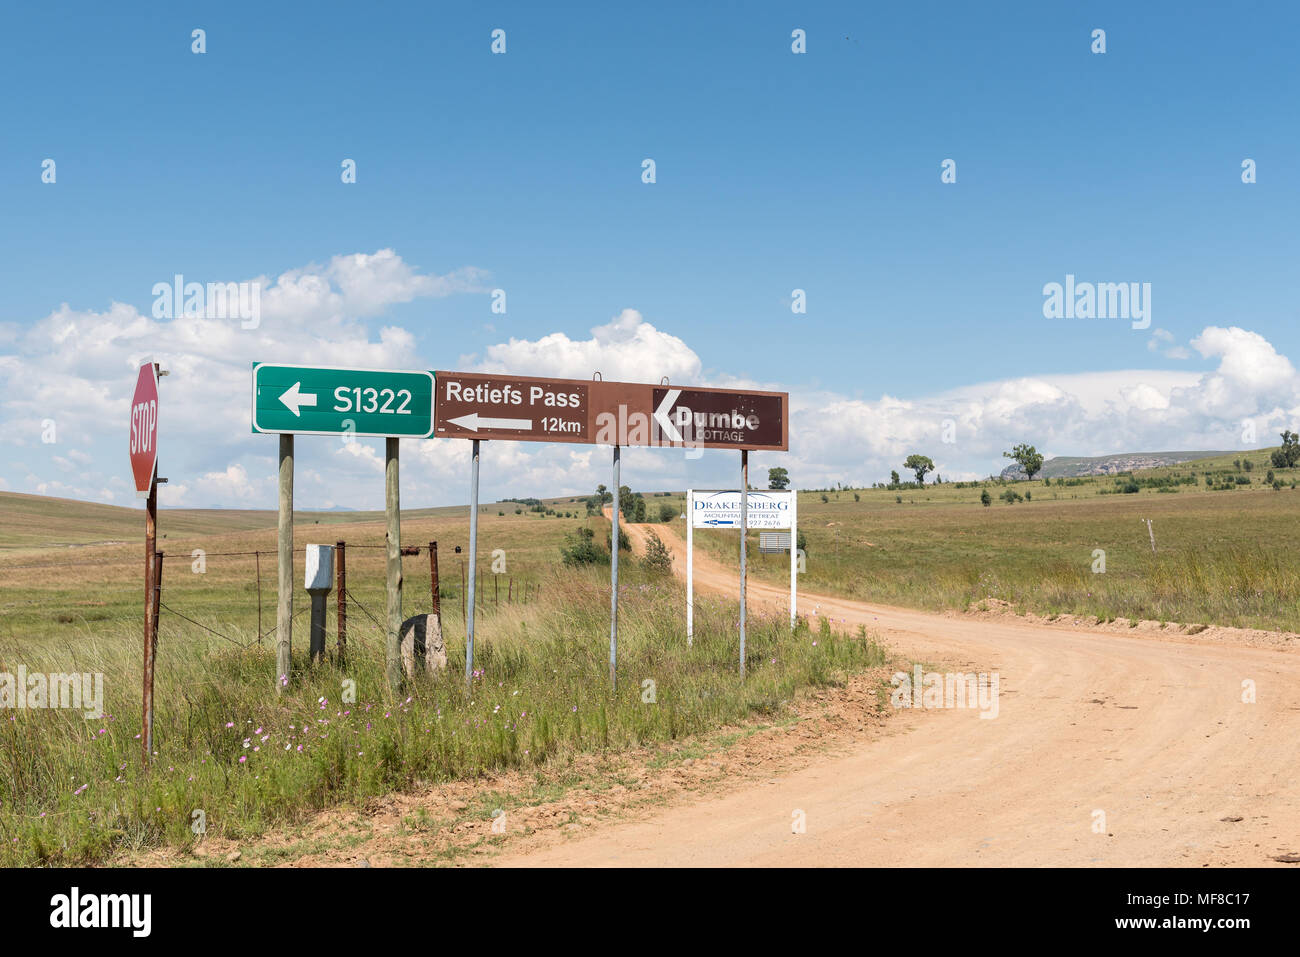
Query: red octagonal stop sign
point(144, 429)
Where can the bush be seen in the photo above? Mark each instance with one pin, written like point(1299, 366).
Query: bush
point(985, 498)
point(580, 548)
point(1011, 496)
point(658, 559)
point(667, 513)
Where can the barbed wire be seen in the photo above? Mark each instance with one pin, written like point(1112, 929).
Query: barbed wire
point(408, 551)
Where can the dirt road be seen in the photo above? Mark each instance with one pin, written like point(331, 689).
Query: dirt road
point(1153, 734)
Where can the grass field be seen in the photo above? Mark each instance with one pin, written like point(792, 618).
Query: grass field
point(72, 790)
point(1223, 557)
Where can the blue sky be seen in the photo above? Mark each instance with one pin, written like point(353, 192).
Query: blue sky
point(775, 171)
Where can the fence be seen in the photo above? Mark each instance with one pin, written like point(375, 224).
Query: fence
point(231, 595)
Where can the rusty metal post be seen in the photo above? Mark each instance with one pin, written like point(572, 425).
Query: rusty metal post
point(150, 634)
point(157, 597)
point(341, 576)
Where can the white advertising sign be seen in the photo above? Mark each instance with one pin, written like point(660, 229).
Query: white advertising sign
point(721, 509)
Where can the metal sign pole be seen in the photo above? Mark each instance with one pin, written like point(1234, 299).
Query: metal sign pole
point(613, 578)
point(744, 533)
point(284, 559)
point(690, 566)
point(794, 563)
point(473, 559)
point(393, 538)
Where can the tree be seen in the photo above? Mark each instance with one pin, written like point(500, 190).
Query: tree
point(893, 479)
point(604, 494)
point(1028, 458)
point(1287, 456)
point(920, 464)
point(778, 478)
point(985, 498)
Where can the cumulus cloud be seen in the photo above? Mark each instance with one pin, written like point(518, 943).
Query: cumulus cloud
point(78, 367)
point(627, 348)
point(965, 430)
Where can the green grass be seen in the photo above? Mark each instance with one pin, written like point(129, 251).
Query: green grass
point(72, 791)
point(1223, 557)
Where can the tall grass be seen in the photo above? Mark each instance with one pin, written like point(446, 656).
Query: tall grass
point(73, 791)
point(1222, 559)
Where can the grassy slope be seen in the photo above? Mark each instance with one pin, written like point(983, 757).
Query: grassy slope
point(1223, 557)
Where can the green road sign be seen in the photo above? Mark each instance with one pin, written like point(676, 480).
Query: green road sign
point(322, 400)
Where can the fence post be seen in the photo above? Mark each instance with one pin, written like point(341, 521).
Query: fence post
point(433, 580)
point(342, 577)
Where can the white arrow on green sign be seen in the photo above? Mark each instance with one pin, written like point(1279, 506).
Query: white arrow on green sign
point(324, 400)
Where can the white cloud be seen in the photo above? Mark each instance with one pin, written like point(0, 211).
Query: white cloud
point(78, 367)
point(627, 349)
point(1161, 341)
point(836, 439)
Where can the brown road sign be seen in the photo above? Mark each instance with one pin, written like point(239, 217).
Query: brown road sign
point(471, 405)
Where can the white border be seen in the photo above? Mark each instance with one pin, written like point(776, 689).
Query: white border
point(433, 401)
point(153, 369)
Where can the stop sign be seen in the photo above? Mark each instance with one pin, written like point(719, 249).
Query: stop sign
point(144, 429)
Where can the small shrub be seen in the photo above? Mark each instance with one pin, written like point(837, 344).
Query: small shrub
point(658, 559)
point(580, 548)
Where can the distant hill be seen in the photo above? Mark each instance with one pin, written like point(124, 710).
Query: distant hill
point(1071, 466)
